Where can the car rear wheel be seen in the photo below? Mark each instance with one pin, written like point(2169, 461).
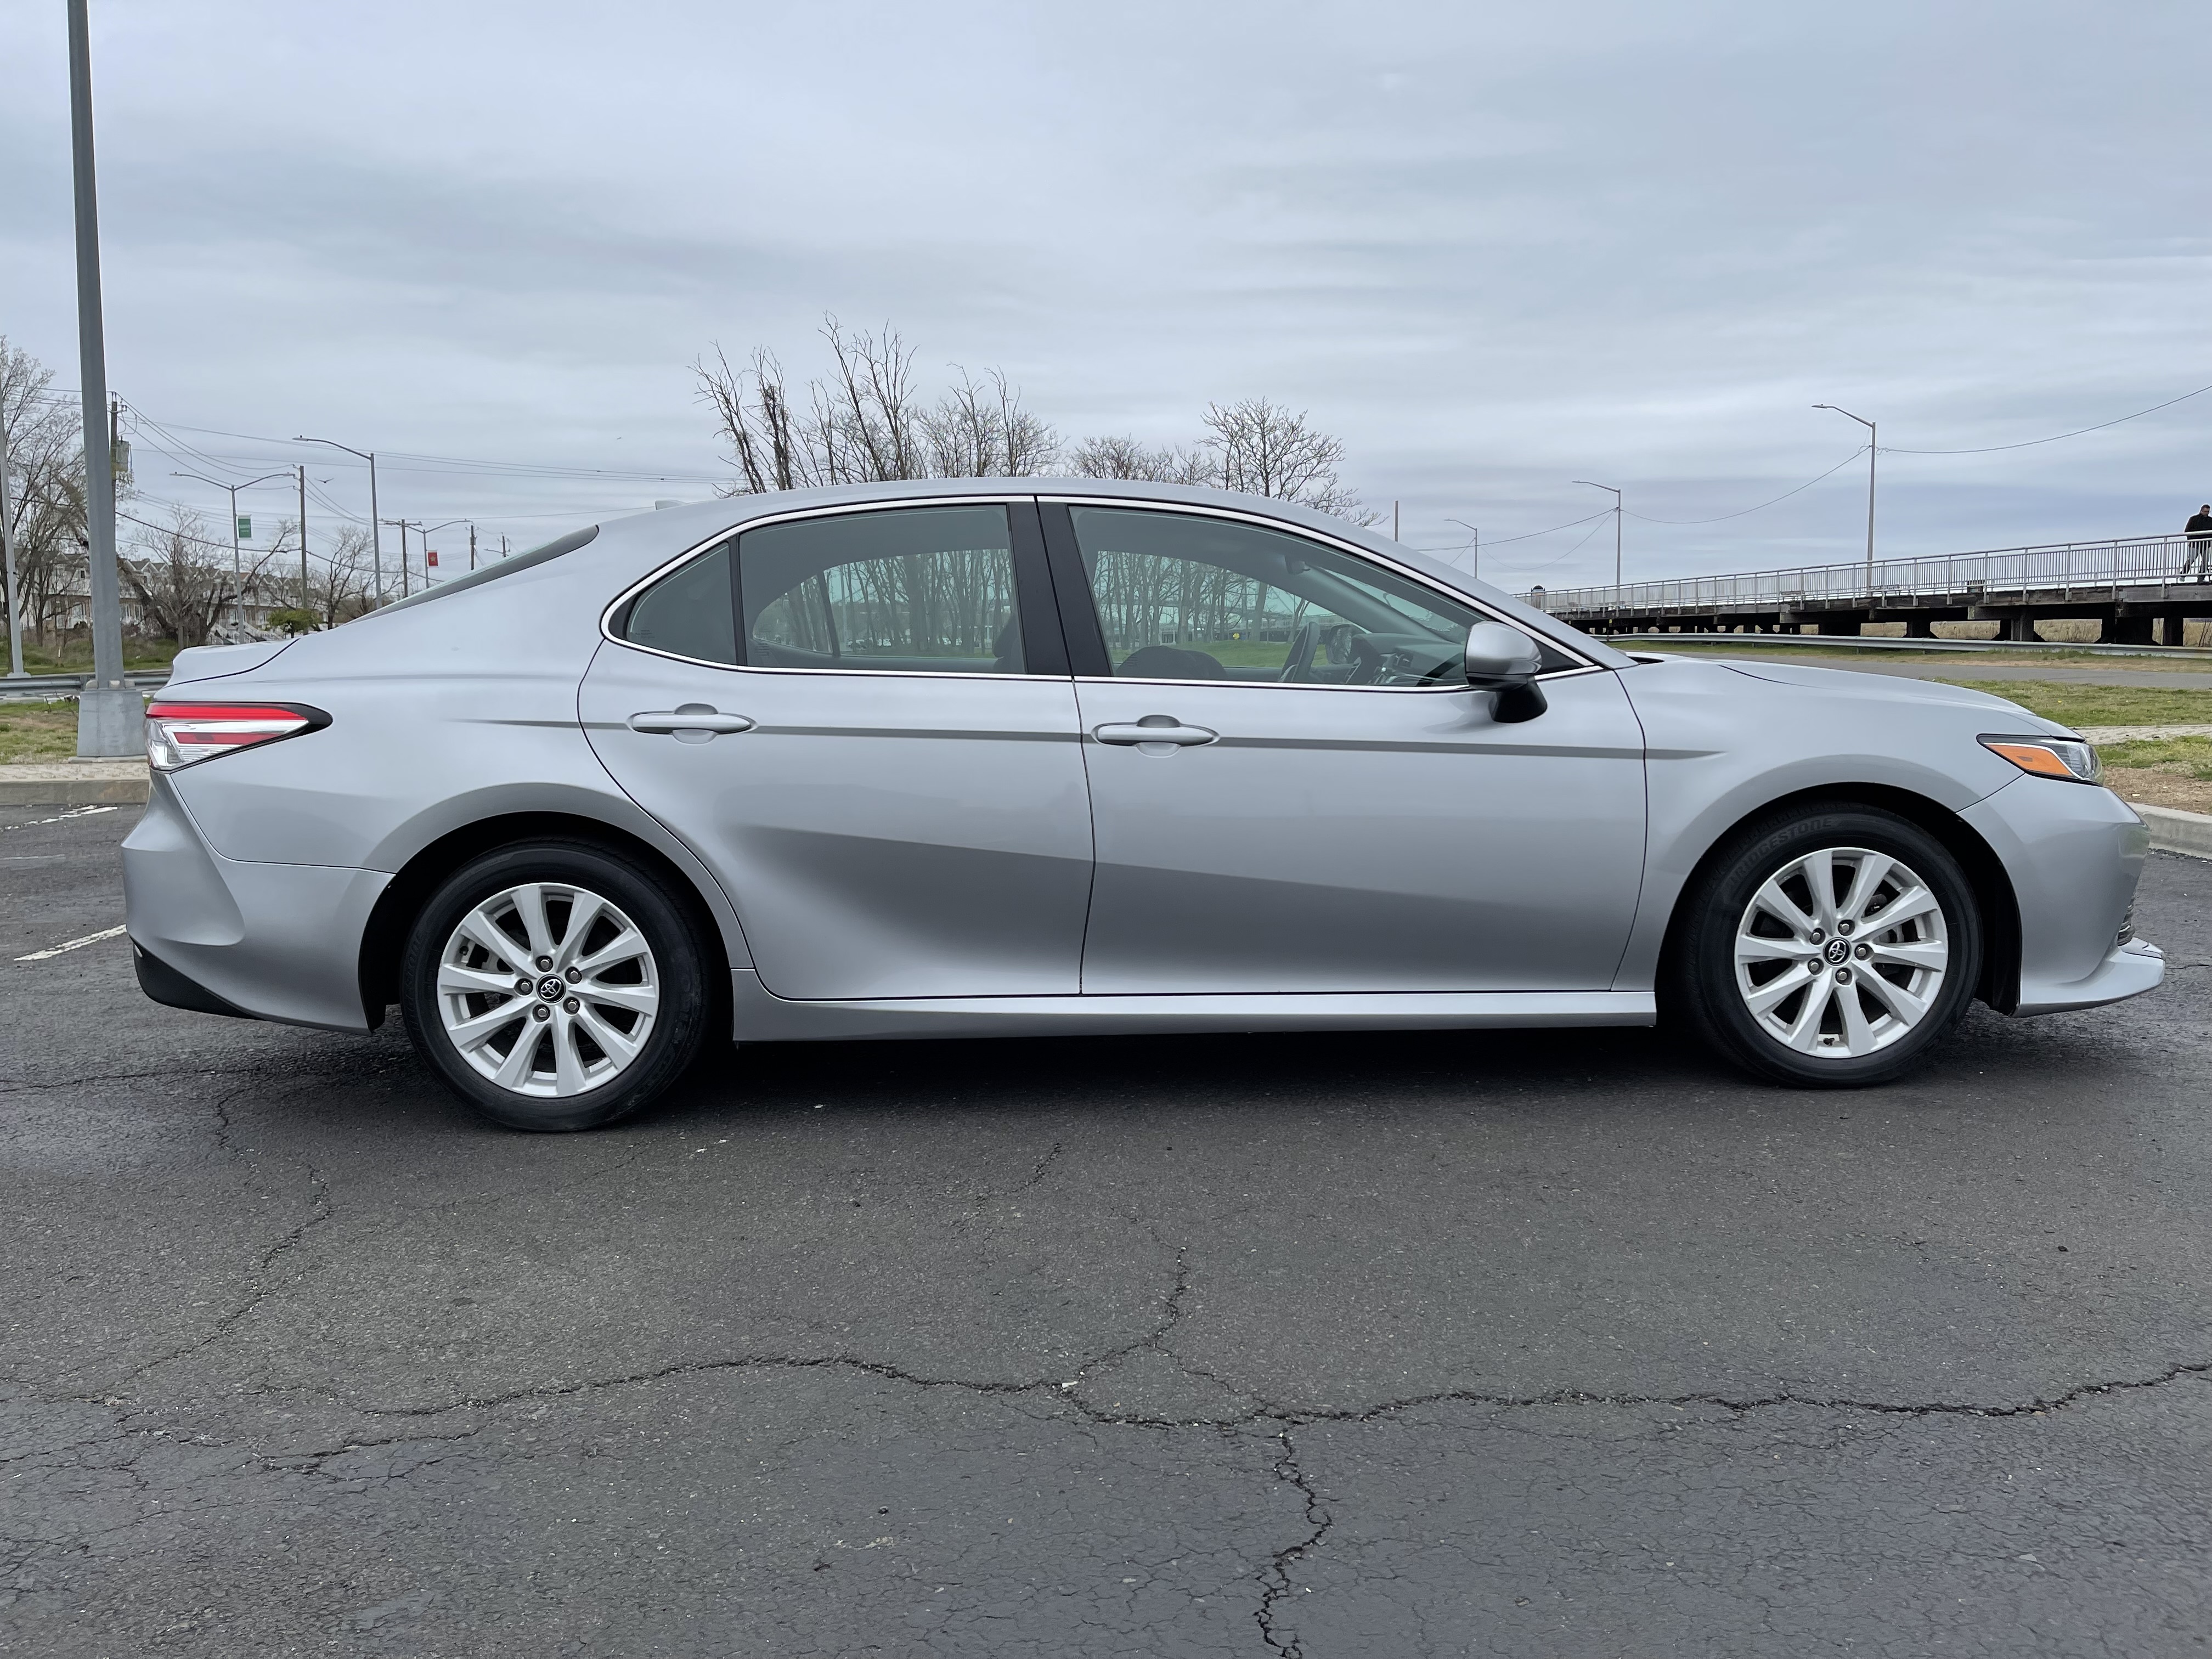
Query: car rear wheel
point(554, 986)
point(1829, 947)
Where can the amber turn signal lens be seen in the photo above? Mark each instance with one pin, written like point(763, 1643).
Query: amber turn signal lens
point(2048, 757)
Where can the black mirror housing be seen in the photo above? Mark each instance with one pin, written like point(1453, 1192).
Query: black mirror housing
point(1504, 662)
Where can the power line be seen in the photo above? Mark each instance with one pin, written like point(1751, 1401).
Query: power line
point(1763, 506)
point(2031, 443)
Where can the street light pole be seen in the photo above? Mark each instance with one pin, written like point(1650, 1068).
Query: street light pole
point(1616, 525)
point(375, 533)
point(237, 561)
point(110, 720)
point(1474, 546)
point(8, 549)
point(303, 537)
point(1874, 438)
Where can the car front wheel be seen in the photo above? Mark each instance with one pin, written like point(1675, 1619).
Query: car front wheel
point(1829, 947)
point(554, 986)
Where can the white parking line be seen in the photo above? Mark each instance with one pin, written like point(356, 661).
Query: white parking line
point(72, 945)
point(74, 812)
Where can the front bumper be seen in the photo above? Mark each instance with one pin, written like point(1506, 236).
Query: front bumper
point(274, 941)
point(2127, 970)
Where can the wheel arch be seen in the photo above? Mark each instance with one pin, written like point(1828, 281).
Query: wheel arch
point(1993, 895)
point(385, 937)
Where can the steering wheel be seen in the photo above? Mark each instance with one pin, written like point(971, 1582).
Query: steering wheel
point(1302, 650)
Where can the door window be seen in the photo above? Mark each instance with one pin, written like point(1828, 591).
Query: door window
point(1183, 597)
point(926, 589)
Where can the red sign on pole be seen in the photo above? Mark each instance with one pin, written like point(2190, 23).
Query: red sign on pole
point(430, 554)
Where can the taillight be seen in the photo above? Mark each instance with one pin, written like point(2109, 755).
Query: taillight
point(179, 733)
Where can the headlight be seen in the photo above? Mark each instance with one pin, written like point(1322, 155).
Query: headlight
point(2048, 757)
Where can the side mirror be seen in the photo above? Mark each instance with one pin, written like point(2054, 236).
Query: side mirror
point(1504, 661)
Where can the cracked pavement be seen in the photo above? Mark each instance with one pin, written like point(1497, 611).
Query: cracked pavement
point(1405, 1344)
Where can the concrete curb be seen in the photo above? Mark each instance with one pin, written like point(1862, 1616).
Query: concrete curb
point(75, 783)
point(2175, 831)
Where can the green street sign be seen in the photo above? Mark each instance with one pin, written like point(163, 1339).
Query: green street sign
point(245, 527)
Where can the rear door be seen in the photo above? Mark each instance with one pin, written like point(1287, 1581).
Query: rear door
point(863, 723)
point(1294, 790)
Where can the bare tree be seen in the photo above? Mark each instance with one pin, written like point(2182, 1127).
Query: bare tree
point(181, 576)
point(338, 579)
point(1126, 458)
point(45, 495)
point(867, 421)
point(1261, 448)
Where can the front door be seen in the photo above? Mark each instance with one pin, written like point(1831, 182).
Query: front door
point(863, 726)
point(1293, 789)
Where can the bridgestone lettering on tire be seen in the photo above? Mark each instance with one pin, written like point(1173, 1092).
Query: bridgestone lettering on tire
point(554, 986)
point(1826, 947)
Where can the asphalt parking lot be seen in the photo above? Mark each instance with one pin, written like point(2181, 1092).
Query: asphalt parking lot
point(1394, 1345)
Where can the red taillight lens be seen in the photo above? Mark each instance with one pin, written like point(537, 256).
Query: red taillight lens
point(178, 734)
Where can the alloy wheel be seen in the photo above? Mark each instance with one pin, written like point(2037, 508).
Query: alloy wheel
point(1841, 952)
point(547, 989)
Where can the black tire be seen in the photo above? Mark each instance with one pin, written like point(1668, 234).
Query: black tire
point(1701, 983)
point(676, 969)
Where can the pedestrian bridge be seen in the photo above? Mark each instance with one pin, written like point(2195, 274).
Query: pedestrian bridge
point(2139, 588)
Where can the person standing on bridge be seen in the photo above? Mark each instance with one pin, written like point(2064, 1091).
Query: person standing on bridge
point(2199, 531)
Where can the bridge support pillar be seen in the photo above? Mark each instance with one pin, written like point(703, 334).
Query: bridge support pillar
point(2020, 628)
point(2127, 629)
point(1919, 627)
point(1844, 621)
point(2170, 629)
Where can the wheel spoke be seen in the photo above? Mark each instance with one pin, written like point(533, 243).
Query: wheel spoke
point(1907, 1007)
point(529, 906)
point(469, 1034)
point(639, 999)
point(1820, 877)
point(1857, 1039)
point(586, 909)
point(568, 1064)
point(1780, 905)
point(453, 979)
point(1754, 947)
point(1928, 953)
point(1872, 868)
point(488, 934)
point(1805, 1029)
point(514, 1071)
point(1916, 901)
point(620, 1049)
point(626, 947)
point(1777, 989)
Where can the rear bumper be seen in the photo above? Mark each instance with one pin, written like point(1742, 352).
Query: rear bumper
point(265, 941)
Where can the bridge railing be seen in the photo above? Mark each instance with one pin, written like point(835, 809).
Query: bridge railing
point(2121, 560)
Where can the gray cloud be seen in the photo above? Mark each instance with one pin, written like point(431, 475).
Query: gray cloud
point(1495, 248)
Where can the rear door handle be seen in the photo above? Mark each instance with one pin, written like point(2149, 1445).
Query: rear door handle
point(1155, 728)
point(693, 722)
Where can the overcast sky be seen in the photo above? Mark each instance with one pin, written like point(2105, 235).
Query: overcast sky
point(1495, 248)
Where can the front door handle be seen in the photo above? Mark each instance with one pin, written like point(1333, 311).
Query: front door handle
point(691, 723)
point(1155, 728)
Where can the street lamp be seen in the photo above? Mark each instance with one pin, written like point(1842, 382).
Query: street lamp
point(423, 531)
point(1873, 437)
point(1616, 525)
point(237, 562)
point(375, 535)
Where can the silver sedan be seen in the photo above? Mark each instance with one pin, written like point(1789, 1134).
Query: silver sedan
point(1013, 757)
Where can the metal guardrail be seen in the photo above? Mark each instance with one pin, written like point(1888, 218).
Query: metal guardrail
point(2060, 568)
point(68, 685)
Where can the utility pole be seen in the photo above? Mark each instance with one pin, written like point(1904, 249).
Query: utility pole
point(8, 548)
point(110, 720)
point(472, 544)
point(1873, 439)
point(1474, 546)
point(1616, 525)
point(375, 524)
point(304, 605)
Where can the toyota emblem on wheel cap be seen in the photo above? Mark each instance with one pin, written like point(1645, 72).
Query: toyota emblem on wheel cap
point(1838, 950)
point(552, 987)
